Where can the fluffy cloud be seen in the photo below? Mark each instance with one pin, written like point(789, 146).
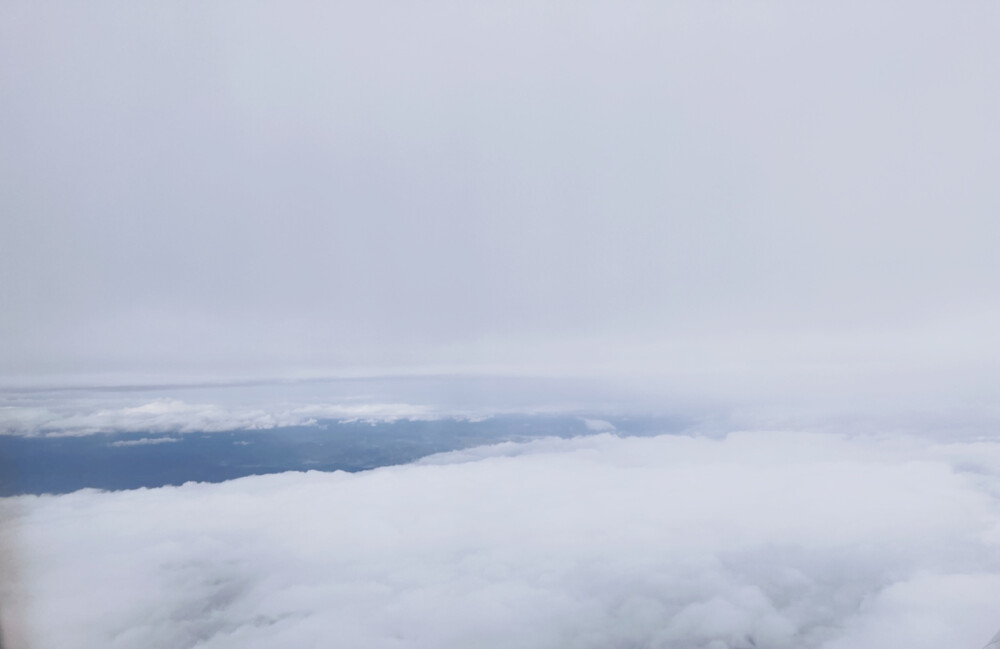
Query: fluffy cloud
point(758, 540)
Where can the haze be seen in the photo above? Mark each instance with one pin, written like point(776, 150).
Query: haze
point(700, 298)
point(710, 195)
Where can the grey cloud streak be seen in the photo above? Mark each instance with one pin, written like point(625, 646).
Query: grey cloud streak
point(258, 188)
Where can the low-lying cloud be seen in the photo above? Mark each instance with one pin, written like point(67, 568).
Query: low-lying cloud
point(144, 441)
point(756, 540)
point(164, 415)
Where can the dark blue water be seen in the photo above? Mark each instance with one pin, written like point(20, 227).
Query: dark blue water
point(36, 465)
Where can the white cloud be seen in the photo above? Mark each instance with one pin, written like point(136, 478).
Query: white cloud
point(163, 415)
point(144, 441)
point(761, 539)
point(598, 425)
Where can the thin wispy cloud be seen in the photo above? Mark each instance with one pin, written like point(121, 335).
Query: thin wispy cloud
point(144, 441)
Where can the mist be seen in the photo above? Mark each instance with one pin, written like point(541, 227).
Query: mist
point(709, 194)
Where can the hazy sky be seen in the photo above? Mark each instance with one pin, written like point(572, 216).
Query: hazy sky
point(264, 188)
point(777, 205)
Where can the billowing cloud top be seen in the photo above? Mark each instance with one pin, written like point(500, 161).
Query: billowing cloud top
point(759, 540)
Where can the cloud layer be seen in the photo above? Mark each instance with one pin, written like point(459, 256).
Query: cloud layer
point(758, 540)
point(272, 404)
point(202, 188)
point(172, 415)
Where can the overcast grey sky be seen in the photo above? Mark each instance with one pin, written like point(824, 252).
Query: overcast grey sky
point(219, 188)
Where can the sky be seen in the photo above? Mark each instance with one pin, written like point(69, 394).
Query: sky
point(717, 198)
point(776, 220)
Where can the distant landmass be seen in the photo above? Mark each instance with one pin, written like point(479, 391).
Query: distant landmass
point(112, 461)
